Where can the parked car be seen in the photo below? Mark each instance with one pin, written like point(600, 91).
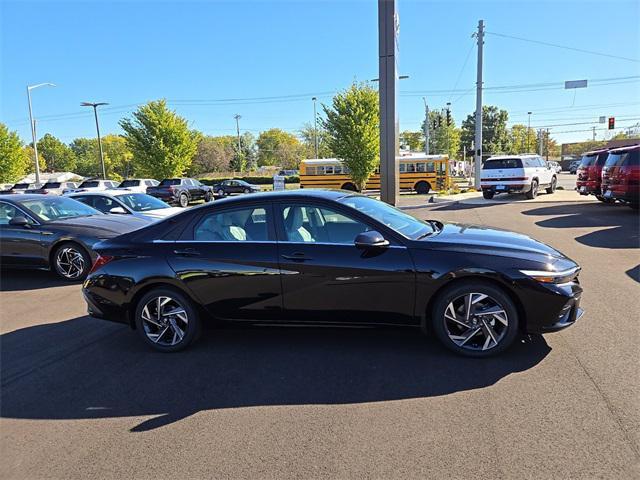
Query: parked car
point(555, 166)
point(331, 258)
point(590, 173)
point(53, 188)
point(124, 202)
point(621, 176)
point(55, 233)
point(231, 186)
point(138, 184)
point(573, 167)
point(181, 191)
point(92, 185)
point(516, 174)
point(19, 188)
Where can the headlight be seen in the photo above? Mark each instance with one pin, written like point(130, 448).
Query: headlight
point(544, 276)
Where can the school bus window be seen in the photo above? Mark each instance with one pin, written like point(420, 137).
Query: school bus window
point(431, 167)
point(420, 167)
point(443, 167)
point(328, 170)
point(411, 167)
point(311, 170)
point(403, 168)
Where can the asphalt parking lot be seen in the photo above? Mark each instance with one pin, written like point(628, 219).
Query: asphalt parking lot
point(84, 398)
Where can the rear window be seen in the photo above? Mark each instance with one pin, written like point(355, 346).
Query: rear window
point(170, 181)
point(626, 158)
point(130, 183)
point(21, 185)
point(52, 185)
point(89, 184)
point(502, 163)
point(588, 160)
point(633, 159)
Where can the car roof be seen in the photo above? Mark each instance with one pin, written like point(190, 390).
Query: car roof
point(110, 193)
point(308, 193)
point(26, 196)
point(503, 157)
point(629, 148)
point(596, 152)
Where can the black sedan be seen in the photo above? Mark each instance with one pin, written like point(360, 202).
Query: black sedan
point(57, 233)
point(229, 187)
point(332, 258)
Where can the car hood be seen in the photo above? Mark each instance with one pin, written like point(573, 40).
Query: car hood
point(492, 241)
point(100, 226)
point(161, 212)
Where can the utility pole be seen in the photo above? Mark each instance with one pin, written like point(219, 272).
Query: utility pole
point(447, 121)
point(426, 126)
point(541, 141)
point(32, 122)
point(528, 131)
point(95, 113)
point(478, 135)
point(387, 31)
point(594, 133)
point(237, 118)
point(315, 125)
point(546, 141)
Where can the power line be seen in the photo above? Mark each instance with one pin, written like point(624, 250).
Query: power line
point(455, 85)
point(555, 45)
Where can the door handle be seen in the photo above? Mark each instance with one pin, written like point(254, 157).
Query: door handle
point(297, 257)
point(187, 252)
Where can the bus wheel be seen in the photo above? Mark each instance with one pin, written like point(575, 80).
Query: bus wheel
point(422, 187)
point(349, 186)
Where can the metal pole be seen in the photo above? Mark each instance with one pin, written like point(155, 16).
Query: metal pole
point(387, 30)
point(541, 141)
point(594, 133)
point(238, 117)
point(528, 131)
point(33, 137)
point(448, 114)
point(315, 126)
point(426, 126)
point(546, 141)
point(478, 135)
point(95, 113)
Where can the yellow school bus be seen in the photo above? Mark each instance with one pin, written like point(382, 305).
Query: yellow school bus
point(418, 172)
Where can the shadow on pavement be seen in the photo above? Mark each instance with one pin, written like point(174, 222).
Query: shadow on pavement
point(634, 273)
point(86, 368)
point(624, 223)
point(12, 280)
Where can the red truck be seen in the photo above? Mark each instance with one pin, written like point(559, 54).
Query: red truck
point(590, 173)
point(621, 176)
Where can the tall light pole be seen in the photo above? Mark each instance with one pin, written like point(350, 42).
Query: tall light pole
point(315, 126)
point(95, 114)
point(33, 126)
point(237, 118)
point(528, 131)
point(478, 132)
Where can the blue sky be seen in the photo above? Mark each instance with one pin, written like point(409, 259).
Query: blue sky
point(197, 53)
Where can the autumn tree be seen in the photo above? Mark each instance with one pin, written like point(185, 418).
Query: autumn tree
point(277, 147)
point(14, 161)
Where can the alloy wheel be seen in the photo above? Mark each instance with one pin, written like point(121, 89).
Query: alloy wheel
point(165, 321)
point(475, 321)
point(70, 263)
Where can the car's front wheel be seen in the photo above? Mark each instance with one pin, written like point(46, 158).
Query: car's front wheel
point(208, 197)
point(166, 320)
point(221, 193)
point(246, 190)
point(183, 200)
point(475, 319)
point(71, 262)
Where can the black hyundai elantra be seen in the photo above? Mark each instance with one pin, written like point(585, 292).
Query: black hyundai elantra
point(331, 258)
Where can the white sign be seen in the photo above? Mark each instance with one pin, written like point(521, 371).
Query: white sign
point(278, 182)
point(575, 84)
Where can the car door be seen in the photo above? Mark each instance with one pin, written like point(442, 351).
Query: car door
point(20, 245)
point(325, 278)
point(228, 258)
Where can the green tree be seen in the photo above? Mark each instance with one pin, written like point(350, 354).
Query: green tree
point(59, 157)
point(31, 165)
point(118, 159)
point(160, 140)
point(277, 147)
point(308, 135)
point(352, 123)
point(522, 139)
point(87, 159)
point(214, 155)
point(413, 140)
point(495, 138)
point(443, 138)
point(14, 161)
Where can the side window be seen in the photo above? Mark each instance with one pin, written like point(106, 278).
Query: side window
point(104, 204)
point(411, 167)
point(420, 167)
point(309, 224)
point(403, 168)
point(243, 225)
point(85, 199)
point(431, 167)
point(7, 212)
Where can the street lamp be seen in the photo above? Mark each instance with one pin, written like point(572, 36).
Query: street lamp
point(528, 130)
point(95, 113)
point(33, 126)
point(315, 125)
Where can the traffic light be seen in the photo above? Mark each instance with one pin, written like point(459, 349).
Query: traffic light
point(435, 124)
point(439, 121)
point(448, 117)
point(612, 123)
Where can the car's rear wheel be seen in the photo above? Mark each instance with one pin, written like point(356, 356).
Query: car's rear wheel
point(552, 187)
point(349, 186)
point(475, 319)
point(488, 194)
point(533, 191)
point(183, 200)
point(166, 320)
point(71, 262)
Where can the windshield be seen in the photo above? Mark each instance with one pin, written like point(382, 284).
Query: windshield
point(502, 163)
point(21, 185)
point(588, 160)
point(52, 185)
point(141, 202)
point(89, 184)
point(393, 218)
point(129, 183)
point(58, 208)
point(170, 181)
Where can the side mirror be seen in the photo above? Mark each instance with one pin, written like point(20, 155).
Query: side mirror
point(371, 239)
point(19, 221)
point(117, 210)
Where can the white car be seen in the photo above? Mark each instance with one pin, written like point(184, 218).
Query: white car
point(555, 166)
point(138, 184)
point(92, 185)
point(517, 174)
point(123, 202)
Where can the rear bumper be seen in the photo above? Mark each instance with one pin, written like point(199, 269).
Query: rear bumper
point(588, 187)
point(506, 188)
point(99, 307)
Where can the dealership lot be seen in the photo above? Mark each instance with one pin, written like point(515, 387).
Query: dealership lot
point(82, 397)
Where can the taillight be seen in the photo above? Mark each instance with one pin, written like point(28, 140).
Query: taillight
point(100, 262)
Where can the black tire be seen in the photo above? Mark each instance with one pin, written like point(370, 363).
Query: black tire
point(246, 190)
point(349, 186)
point(183, 200)
point(422, 188)
point(488, 194)
point(507, 334)
point(193, 326)
point(533, 192)
point(221, 193)
point(69, 271)
point(208, 197)
point(552, 187)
